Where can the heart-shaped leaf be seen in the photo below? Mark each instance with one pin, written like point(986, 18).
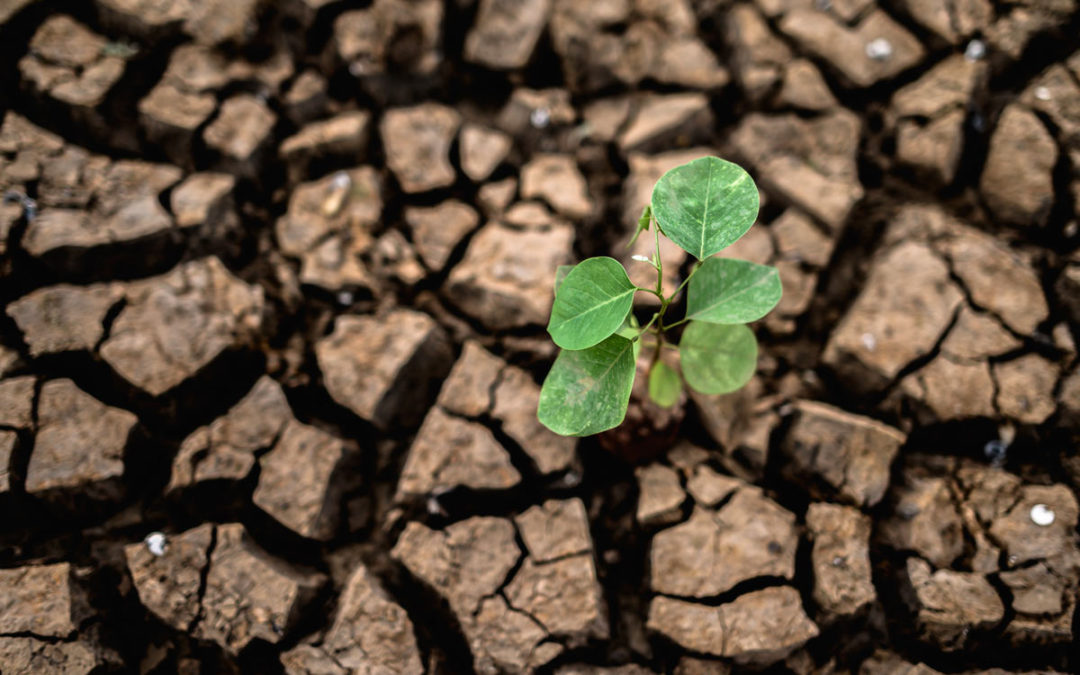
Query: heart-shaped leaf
point(591, 303)
point(587, 390)
point(725, 290)
point(664, 385)
point(717, 358)
point(705, 205)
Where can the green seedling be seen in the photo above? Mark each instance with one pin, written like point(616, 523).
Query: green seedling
point(704, 207)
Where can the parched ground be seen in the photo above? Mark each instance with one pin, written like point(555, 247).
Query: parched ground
point(274, 278)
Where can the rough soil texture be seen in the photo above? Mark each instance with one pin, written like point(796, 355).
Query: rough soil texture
point(274, 277)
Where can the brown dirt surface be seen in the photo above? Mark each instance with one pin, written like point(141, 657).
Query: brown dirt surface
point(274, 281)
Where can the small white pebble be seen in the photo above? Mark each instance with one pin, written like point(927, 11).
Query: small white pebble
point(540, 118)
point(869, 341)
point(156, 543)
point(975, 51)
point(345, 298)
point(879, 49)
point(1042, 93)
point(1042, 515)
point(341, 180)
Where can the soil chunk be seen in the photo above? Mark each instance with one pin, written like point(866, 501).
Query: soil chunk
point(79, 445)
point(924, 520)
point(810, 163)
point(505, 33)
point(876, 339)
point(226, 449)
point(169, 584)
point(205, 200)
point(8, 441)
point(660, 495)
point(300, 481)
point(847, 49)
point(836, 453)
point(449, 452)
point(370, 632)
point(557, 180)
point(517, 397)
point(329, 225)
point(555, 529)
point(381, 368)
point(950, 604)
point(43, 600)
point(174, 325)
point(17, 402)
point(1025, 539)
point(389, 39)
point(417, 145)
point(482, 149)
point(1026, 388)
point(438, 230)
point(659, 120)
point(506, 275)
point(1017, 182)
point(63, 317)
point(952, 389)
point(750, 536)
point(468, 388)
point(759, 627)
point(344, 136)
point(241, 132)
point(250, 595)
point(843, 584)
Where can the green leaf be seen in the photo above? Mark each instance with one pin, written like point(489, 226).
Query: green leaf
point(560, 275)
point(705, 205)
point(725, 290)
point(646, 216)
point(717, 358)
point(591, 303)
point(587, 390)
point(664, 385)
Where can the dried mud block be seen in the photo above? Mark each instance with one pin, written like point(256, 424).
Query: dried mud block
point(90, 202)
point(708, 487)
point(809, 163)
point(79, 445)
point(345, 136)
point(1056, 94)
point(468, 388)
point(249, 594)
point(760, 627)
point(300, 481)
point(804, 87)
point(563, 595)
point(451, 452)
point(660, 495)
point(750, 536)
point(659, 121)
point(950, 604)
point(978, 335)
point(799, 240)
point(226, 449)
point(209, 22)
point(370, 633)
point(1069, 399)
point(882, 662)
point(924, 519)
point(505, 33)
point(517, 397)
point(240, 133)
point(950, 84)
point(64, 318)
point(390, 38)
point(438, 230)
point(530, 109)
point(381, 368)
point(8, 441)
point(1017, 182)
point(1024, 539)
point(482, 149)
point(306, 97)
point(1067, 288)
point(953, 22)
point(847, 49)
point(17, 402)
point(169, 580)
point(952, 389)
point(758, 56)
point(174, 325)
point(1025, 388)
point(907, 303)
point(1014, 30)
point(10, 8)
point(737, 424)
point(74, 66)
point(555, 529)
point(503, 280)
point(579, 669)
point(417, 144)
point(557, 180)
point(41, 600)
point(28, 655)
point(836, 453)
point(205, 200)
point(328, 225)
point(1044, 599)
point(843, 583)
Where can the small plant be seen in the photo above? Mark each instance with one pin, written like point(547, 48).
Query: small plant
point(703, 206)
